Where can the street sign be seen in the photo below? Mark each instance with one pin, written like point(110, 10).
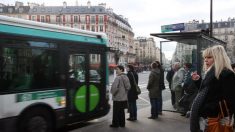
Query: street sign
point(172, 27)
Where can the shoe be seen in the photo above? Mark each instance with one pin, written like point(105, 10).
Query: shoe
point(114, 126)
point(160, 113)
point(152, 117)
point(130, 119)
point(183, 114)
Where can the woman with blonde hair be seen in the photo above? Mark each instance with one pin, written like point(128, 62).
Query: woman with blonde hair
point(217, 85)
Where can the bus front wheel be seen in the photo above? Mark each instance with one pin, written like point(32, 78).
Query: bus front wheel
point(36, 120)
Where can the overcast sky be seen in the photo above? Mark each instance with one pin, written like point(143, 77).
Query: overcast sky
point(147, 16)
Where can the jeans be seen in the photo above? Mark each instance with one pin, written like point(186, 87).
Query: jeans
point(154, 107)
point(160, 105)
point(132, 109)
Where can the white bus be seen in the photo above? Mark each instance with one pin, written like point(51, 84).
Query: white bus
point(50, 75)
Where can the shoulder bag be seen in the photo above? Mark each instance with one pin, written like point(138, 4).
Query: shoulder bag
point(136, 85)
point(220, 123)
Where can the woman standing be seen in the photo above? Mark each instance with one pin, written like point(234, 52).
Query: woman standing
point(154, 90)
point(217, 85)
point(132, 93)
point(119, 91)
point(161, 85)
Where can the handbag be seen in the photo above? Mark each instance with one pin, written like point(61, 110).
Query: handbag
point(220, 123)
point(136, 86)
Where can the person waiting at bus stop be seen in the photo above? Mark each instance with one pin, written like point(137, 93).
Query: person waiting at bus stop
point(154, 90)
point(119, 90)
point(217, 85)
point(176, 85)
point(132, 93)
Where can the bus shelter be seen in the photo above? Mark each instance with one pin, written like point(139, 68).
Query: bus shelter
point(199, 39)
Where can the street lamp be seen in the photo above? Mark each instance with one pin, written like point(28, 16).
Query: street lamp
point(211, 16)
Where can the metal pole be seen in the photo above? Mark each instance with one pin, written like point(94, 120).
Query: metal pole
point(161, 52)
point(211, 16)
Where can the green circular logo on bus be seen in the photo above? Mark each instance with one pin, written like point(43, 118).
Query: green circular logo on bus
point(80, 98)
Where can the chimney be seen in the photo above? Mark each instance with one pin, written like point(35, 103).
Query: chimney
point(64, 4)
point(103, 5)
point(89, 4)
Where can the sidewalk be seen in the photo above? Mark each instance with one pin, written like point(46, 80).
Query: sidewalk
point(167, 122)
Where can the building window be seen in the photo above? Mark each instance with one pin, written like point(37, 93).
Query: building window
point(92, 19)
point(101, 28)
point(34, 18)
point(93, 28)
point(75, 18)
point(10, 10)
point(57, 19)
point(21, 10)
point(83, 20)
point(101, 19)
point(1, 10)
point(42, 18)
point(34, 9)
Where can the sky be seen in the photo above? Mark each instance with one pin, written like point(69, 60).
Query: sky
point(147, 16)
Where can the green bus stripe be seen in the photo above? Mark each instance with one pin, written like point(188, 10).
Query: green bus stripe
point(50, 34)
point(39, 95)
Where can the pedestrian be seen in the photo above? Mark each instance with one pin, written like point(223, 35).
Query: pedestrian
point(132, 93)
point(161, 85)
point(119, 90)
point(154, 90)
point(169, 77)
point(189, 90)
point(176, 85)
point(218, 84)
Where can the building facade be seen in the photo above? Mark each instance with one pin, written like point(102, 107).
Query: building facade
point(146, 50)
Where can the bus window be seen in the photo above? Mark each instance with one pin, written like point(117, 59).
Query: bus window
point(95, 67)
point(27, 68)
point(77, 67)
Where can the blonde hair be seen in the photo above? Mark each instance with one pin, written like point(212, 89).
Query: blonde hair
point(221, 59)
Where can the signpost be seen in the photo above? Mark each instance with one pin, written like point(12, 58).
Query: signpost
point(172, 27)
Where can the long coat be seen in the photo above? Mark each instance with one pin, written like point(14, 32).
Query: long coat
point(132, 93)
point(120, 87)
point(153, 84)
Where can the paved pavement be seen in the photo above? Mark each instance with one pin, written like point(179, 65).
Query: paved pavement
point(167, 122)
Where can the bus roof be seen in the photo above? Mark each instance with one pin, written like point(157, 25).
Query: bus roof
point(38, 29)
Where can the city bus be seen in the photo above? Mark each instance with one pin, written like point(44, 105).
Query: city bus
point(50, 75)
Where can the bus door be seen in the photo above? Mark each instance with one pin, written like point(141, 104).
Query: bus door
point(77, 83)
point(86, 92)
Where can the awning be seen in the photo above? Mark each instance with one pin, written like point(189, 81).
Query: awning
point(112, 65)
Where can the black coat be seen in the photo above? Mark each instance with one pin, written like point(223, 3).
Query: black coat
point(219, 89)
point(169, 76)
point(132, 93)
